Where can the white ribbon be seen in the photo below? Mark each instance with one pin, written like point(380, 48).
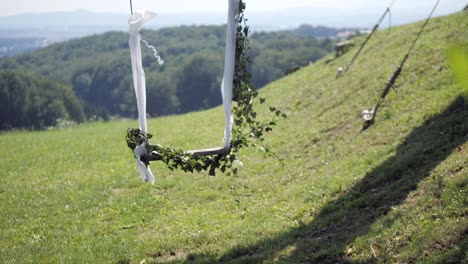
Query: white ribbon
point(136, 21)
point(229, 62)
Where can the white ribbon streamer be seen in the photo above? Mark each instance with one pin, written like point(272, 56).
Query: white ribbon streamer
point(229, 62)
point(136, 21)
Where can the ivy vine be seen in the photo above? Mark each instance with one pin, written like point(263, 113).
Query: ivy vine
point(247, 130)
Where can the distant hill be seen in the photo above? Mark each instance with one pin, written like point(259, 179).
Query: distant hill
point(14, 41)
point(286, 18)
point(33, 31)
point(47, 28)
point(98, 67)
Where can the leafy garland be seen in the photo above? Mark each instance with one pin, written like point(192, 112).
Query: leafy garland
point(247, 131)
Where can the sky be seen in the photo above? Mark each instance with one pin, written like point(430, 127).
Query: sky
point(262, 13)
point(12, 7)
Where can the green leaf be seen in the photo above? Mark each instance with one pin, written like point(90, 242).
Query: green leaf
point(458, 60)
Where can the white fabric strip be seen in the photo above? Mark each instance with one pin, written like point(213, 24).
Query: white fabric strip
point(229, 62)
point(136, 21)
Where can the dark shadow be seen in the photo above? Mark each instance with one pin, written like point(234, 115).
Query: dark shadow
point(458, 251)
point(351, 215)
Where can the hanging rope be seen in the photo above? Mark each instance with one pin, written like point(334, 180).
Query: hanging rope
point(370, 35)
point(389, 19)
point(369, 115)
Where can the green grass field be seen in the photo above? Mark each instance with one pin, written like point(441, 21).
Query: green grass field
point(395, 193)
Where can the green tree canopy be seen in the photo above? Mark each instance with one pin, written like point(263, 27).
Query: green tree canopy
point(28, 101)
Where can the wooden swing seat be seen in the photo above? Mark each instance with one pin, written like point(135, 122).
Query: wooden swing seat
point(197, 153)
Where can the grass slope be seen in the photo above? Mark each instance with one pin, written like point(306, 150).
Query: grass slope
point(396, 192)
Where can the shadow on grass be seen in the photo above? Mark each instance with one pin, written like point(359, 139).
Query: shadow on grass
point(351, 215)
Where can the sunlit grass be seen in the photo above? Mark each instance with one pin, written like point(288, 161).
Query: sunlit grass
point(394, 193)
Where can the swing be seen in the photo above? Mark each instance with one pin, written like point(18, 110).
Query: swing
point(241, 114)
point(369, 115)
point(376, 26)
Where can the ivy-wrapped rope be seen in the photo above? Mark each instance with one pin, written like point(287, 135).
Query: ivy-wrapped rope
point(247, 130)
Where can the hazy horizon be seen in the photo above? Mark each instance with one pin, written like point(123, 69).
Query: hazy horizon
point(190, 6)
point(291, 14)
point(294, 12)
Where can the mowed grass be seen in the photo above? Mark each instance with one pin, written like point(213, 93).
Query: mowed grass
point(396, 192)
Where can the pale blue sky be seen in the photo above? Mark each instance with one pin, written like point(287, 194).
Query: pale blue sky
point(11, 7)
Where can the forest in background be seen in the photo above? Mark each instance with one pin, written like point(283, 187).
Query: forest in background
point(90, 77)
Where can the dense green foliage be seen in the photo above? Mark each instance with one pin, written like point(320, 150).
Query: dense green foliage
point(395, 193)
point(98, 67)
point(28, 101)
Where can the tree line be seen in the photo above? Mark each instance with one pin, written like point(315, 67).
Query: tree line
point(91, 77)
point(28, 101)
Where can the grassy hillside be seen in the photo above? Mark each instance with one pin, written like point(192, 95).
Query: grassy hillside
point(395, 193)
